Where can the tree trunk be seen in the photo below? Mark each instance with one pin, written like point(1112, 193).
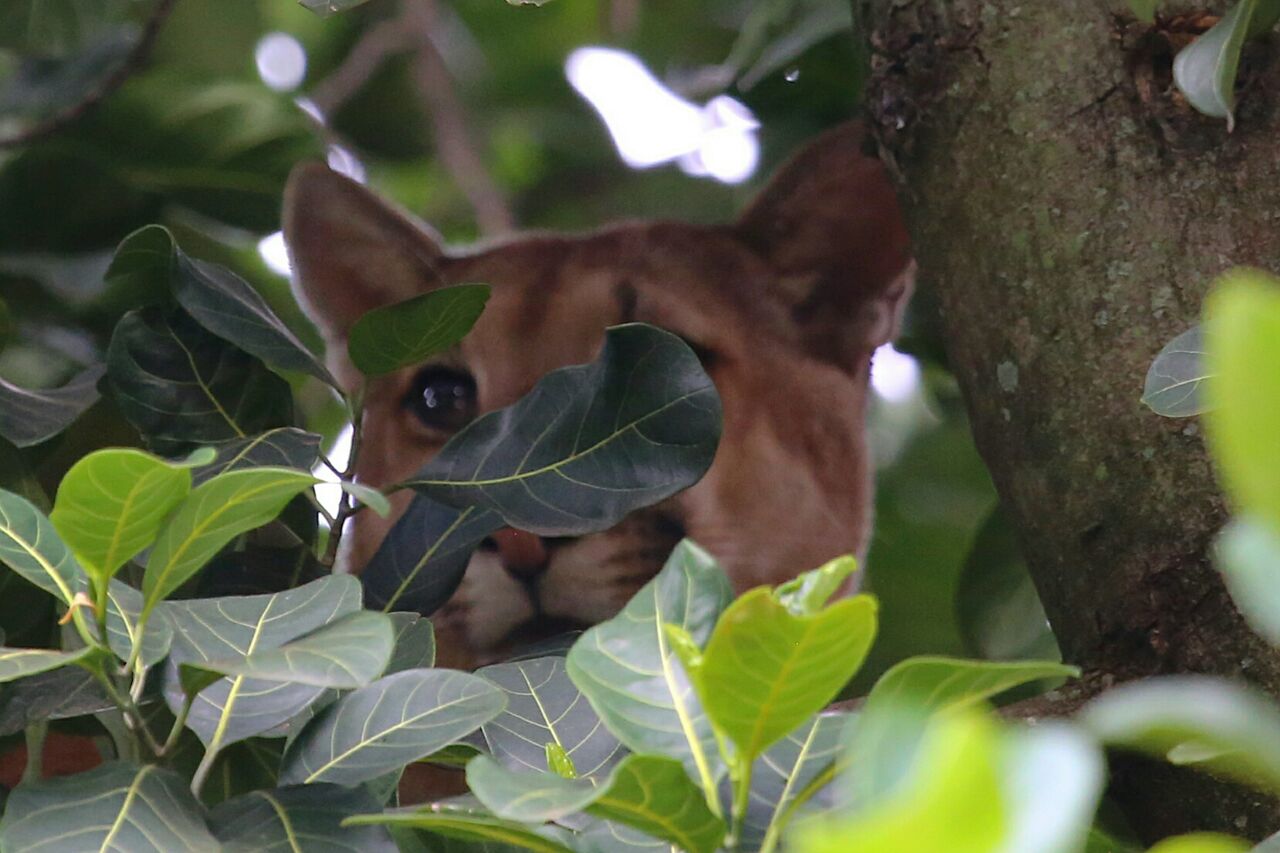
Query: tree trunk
point(1069, 211)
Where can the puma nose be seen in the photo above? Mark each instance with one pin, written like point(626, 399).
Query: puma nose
point(524, 555)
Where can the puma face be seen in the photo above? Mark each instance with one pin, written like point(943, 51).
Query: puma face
point(784, 307)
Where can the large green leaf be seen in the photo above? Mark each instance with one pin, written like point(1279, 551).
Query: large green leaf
point(345, 654)
point(125, 628)
point(1051, 777)
point(544, 706)
point(217, 298)
point(766, 670)
point(1213, 724)
point(211, 516)
point(111, 504)
point(1175, 377)
point(409, 332)
point(589, 443)
point(396, 720)
point(1248, 555)
point(20, 663)
point(887, 733)
point(646, 792)
point(628, 671)
point(1205, 70)
point(287, 447)
point(420, 563)
point(1242, 331)
point(112, 807)
point(237, 707)
point(415, 643)
point(53, 695)
point(465, 825)
point(30, 546)
point(29, 416)
point(181, 385)
point(950, 800)
point(298, 818)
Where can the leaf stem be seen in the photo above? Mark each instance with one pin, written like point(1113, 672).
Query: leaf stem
point(34, 736)
point(741, 800)
point(202, 772)
point(178, 723)
point(345, 508)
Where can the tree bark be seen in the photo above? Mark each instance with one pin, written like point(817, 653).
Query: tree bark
point(1069, 212)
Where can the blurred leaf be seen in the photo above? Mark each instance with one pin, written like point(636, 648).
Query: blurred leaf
point(1051, 776)
point(950, 799)
point(1248, 555)
point(367, 496)
point(1242, 333)
point(406, 333)
point(328, 7)
point(650, 793)
point(997, 606)
point(20, 663)
point(347, 653)
point(1201, 842)
point(415, 643)
point(55, 27)
point(180, 385)
point(1173, 381)
point(30, 546)
point(284, 817)
point(886, 737)
point(115, 806)
point(465, 825)
point(112, 503)
point(211, 516)
point(1218, 726)
point(286, 447)
point(53, 695)
point(765, 671)
point(236, 707)
point(29, 417)
point(1205, 70)
point(396, 720)
point(421, 561)
point(1144, 10)
point(544, 707)
point(43, 85)
point(630, 674)
point(589, 443)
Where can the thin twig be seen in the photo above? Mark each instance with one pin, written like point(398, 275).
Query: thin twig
point(452, 132)
point(380, 42)
point(105, 86)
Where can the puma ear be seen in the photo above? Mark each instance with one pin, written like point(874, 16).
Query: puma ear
point(830, 226)
point(350, 250)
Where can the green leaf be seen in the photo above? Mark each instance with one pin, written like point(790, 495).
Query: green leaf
point(1248, 555)
point(1051, 777)
point(420, 563)
point(217, 298)
point(1202, 842)
point(415, 643)
point(808, 593)
point(1242, 331)
point(297, 818)
point(111, 504)
point(286, 447)
point(464, 825)
point(1175, 377)
point(950, 800)
point(237, 707)
point(1216, 725)
point(345, 654)
point(19, 663)
point(545, 707)
point(395, 336)
point(780, 778)
point(124, 628)
point(886, 736)
point(367, 496)
point(53, 695)
point(112, 807)
point(765, 670)
point(1144, 10)
point(396, 720)
point(628, 671)
point(589, 443)
point(29, 416)
point(30, 546)
point(181, 385)
point(211, 516)
point(1205, 70)
point(646, 792)
point(328, 7)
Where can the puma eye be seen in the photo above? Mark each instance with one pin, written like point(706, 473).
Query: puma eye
point(442, 398)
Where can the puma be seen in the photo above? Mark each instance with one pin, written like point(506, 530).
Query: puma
point(785, 307)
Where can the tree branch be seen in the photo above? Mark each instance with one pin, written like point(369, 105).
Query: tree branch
point(379, 43)
point(105, 86)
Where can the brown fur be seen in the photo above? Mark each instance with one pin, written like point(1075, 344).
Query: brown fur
point(788, 304)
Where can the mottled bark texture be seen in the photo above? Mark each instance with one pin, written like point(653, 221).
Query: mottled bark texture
point(1069, 212)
